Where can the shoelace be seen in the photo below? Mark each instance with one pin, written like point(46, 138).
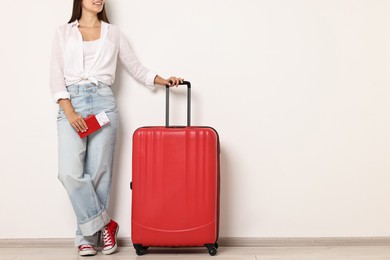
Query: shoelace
point(82, 247)
point(107, 239)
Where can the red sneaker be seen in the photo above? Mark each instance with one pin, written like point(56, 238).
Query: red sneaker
point(109, 238)
point(87, 250)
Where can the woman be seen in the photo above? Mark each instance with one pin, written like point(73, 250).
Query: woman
point(84, 58)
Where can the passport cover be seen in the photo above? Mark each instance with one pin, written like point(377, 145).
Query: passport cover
point(93, 126)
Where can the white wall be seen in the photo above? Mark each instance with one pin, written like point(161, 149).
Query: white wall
point(298, 90)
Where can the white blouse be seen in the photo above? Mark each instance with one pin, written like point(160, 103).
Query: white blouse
point(67, 62)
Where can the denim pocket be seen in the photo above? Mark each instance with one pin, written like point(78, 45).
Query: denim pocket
point(60, 114)
point(105, 91)
point(74, 92)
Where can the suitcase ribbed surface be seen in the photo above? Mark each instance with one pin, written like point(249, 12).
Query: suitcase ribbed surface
point(175, 186)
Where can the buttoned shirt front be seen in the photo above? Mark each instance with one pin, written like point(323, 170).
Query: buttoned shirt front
point(67, 61)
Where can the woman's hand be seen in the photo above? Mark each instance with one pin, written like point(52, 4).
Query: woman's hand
point(77, 121)
point(172, 81)
point(74, 119)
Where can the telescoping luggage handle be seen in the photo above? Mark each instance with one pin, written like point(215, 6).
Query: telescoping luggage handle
point(188, 103)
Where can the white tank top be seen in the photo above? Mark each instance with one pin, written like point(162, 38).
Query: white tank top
point(90, 48)
point(89, 52)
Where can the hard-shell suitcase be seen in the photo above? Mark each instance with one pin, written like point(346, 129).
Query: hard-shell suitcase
point(175, 185)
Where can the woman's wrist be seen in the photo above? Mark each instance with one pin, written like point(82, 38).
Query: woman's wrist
point(66, 106)
point(159, 80)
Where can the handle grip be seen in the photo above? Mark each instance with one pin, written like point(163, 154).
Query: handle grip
point(188, 103)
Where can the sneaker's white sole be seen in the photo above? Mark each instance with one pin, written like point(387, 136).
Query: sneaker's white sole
point(112, 249)
point(88, 252)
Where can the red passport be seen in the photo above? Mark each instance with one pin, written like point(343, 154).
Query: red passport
point(94, 123)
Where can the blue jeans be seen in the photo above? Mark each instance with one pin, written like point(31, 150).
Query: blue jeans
point(85, 165)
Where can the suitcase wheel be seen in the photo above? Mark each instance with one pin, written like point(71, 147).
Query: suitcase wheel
point(212, 248)
point(140, 252)
point(139, 249)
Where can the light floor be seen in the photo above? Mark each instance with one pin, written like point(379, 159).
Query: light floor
point(230, 253)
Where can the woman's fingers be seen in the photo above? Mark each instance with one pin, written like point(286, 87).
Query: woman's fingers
point(175, 81)
point(78, 122)
point(77, 127)
point(81, 126)
point(84, 125)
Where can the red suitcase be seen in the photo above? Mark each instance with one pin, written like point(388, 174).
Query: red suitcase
point(175, 185)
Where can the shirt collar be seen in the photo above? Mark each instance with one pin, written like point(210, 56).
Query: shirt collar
point(76, 24)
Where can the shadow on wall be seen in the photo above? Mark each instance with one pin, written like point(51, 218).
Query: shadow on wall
point(118, 156)
point(226, 192)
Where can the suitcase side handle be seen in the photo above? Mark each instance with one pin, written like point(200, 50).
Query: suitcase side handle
point(188, 103)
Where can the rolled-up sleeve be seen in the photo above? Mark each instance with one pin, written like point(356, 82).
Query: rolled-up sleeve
point(133, 66)
point(57, 80)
